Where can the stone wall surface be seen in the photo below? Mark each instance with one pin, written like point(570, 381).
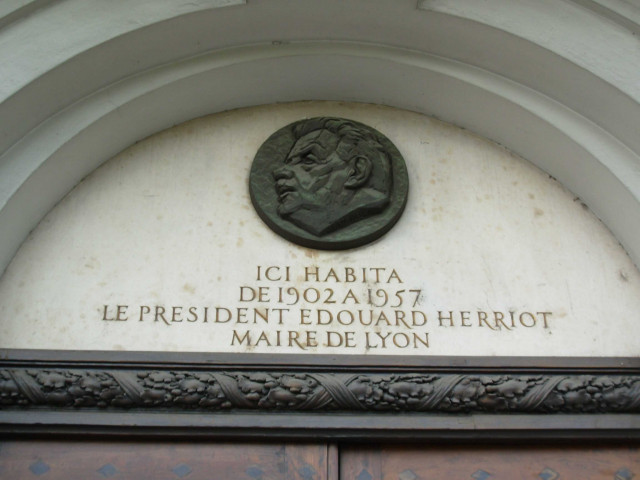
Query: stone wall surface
point(160, 249)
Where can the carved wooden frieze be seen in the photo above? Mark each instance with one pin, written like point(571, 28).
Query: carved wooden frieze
point(219, 391)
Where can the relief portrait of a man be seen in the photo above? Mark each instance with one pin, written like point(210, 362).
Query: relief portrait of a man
point(335, 173)
point(328, 183)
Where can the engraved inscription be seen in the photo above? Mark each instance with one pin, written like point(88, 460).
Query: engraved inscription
point(337, 309)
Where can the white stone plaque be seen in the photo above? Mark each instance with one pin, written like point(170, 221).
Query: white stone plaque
point(160, 249)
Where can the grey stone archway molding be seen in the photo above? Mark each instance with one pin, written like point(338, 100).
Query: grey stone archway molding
point(558, 82)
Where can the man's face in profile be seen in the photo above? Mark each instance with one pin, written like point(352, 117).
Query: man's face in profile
point(313, 176)
point(319, 180)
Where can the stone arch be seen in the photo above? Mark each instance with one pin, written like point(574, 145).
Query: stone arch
point(556, 82)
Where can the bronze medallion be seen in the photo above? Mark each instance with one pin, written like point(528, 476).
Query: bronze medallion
point(329, 183)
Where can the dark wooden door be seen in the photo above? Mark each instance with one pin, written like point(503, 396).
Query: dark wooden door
point(477, 462)
point(68, 460)
point(46, 459)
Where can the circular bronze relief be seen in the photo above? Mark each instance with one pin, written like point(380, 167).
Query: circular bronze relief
point(329, 183)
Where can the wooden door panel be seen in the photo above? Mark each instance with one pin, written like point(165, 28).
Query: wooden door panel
point(45, 459)
point(158, 460)
point(490, 463)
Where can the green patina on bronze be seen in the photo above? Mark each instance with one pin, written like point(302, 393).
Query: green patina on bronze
point(329, 183)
